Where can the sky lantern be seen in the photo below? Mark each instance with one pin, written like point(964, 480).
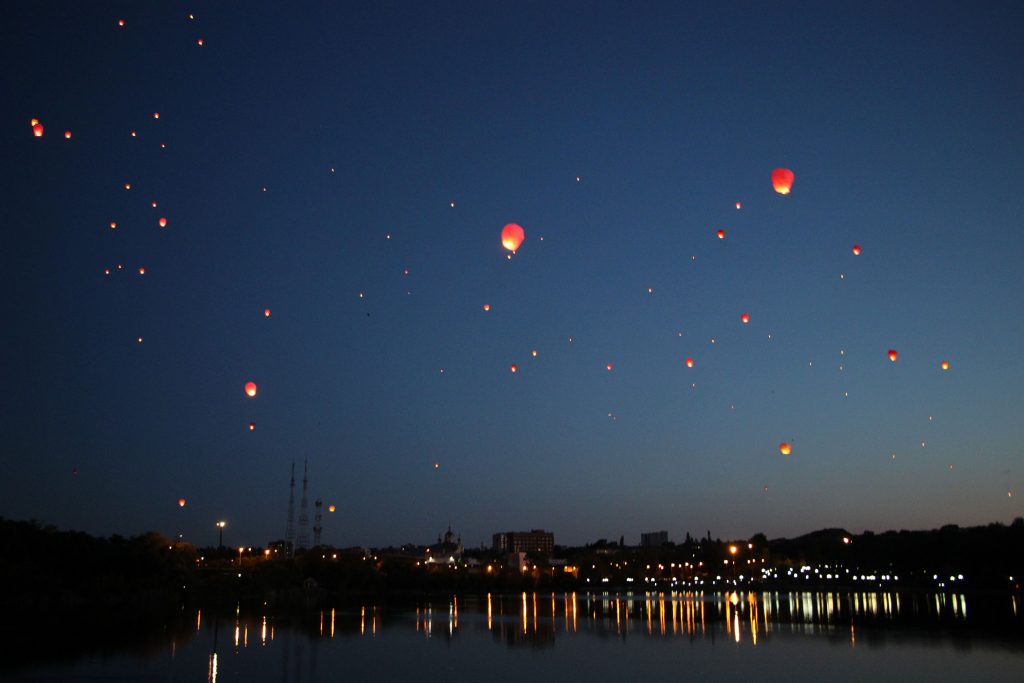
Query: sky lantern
point(721, 234)
point(252, 425)
point(487, 307)
point(739, 205)
point(893, 355)
point(142, 270)
point(944, 365)
point(250, 389)
point(331, 508)
point(37, 128)
point(156, 115)
point(785, 448)
point(181, 502)
point(534, 353)
point(856, 250)
point(266, 312)
point(113, 225)
point(512, 236)
point(608, 367)
point(162, 222)
point(120, 22)
point(744, 318)
point(689, 362)
point(513, 368)
point(67, 135)
point(782, 180)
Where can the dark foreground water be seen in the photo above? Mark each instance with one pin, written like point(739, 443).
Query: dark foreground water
point(548, 637)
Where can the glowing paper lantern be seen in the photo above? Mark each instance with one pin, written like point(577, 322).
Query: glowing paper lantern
point(37, 128)
point(331, 508)
point(744, 318)
point(252, 426)
point(250, 389)
point(512, 235)
point(156, 115)
point(487, 307)
point(739, 205)
point(67, 135)
point(782, 180)
point(721, 234)
point(266, 312)
point(893, 355)
point(689, 362)
point(142, 271)
point(944, 365)
point(856, 250)
point(120, 22)
point(785, 448)
point(513, 368)
point(162, 222)
point(181, 502)
point(608, 367)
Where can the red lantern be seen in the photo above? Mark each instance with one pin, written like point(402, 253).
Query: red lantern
point(513, 368)
point(689, 362)
point(782, 180)
point(181, 502)
point(512, 235)
point(785, 448)
point(721, 234)
point(37, 128)
point(856, 250)
point(250, 389)
point(744, 318)
point(163, 222)
point(893, 355)
point(945, 365)
point(608, 367)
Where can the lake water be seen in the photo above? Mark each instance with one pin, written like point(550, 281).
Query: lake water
point(551, 637)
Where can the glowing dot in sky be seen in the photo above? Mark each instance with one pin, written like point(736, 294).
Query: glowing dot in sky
point(37, 128)
point(650, 290)
point(252, 426)
point(856, 250)
point(67, 135)
point(893, 355)
point(451, 204)
point(250, 389)
point(487, 307)
point(437, 465)
point(113, 225)
point(608, 367)
point(744, 318)
point(785, 448)
point(331, 508)
point(127, 186)
point(199, 42)
point(162, 222)
point(361, 295)
point(689, 362)
point(266, 312)
point(156, 115)
point(120, 22)
point(944, 365)
point(782, 180)
point(739, 205)
point(106, 271)
point(721, 234)
point(142, 270)
point(534, 353)
point(387, 236)
point(513, 368)
point(154, 205)
point(133, 134)
point(181, 502)
point(139, 340)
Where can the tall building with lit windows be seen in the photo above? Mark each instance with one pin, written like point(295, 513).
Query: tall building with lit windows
point(536, 541)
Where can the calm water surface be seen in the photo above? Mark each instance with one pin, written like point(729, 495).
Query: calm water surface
point(556, 637)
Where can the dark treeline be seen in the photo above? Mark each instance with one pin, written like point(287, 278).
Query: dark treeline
point(43, 569)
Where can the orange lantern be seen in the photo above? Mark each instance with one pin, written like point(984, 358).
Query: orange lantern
point(513, 368)
point(739, 205)
point(37, 128)
point(608, 367)
point(785, 448)
point(689, 362)
point(181, 502)
point(782, 180)
point(512, 235)
point(856, 250)
point(252, 426)
point(487, 307)
point(67, 135)
point(331, 508)
point(893, 355)
point(142, 271)
point(944, 365)
point(250, 389)
point(744, 318)
point(721, 234)
point(162, 222)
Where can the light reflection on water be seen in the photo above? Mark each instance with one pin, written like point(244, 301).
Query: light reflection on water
point(377, 639)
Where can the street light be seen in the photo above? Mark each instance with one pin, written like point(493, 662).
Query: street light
point(220, 530)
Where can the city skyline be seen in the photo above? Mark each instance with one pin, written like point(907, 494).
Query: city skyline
point(675, 344)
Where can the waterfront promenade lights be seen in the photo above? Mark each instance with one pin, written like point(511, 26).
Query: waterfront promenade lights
point(220, 532)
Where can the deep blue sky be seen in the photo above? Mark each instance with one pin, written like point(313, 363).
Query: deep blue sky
point(902, 122)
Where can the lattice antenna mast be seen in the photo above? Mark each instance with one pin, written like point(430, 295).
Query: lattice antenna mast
point(318, 520)
point(289, 530)
point(303, 541)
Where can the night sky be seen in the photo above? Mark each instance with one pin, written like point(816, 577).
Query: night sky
point(313, 153)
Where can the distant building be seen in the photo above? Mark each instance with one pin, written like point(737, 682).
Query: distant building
point(448, 551)
point(653, 539)
point(537, 541)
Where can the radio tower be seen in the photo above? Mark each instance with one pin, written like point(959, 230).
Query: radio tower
point(289, 530)
point(303, 541)
point(318, 519)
